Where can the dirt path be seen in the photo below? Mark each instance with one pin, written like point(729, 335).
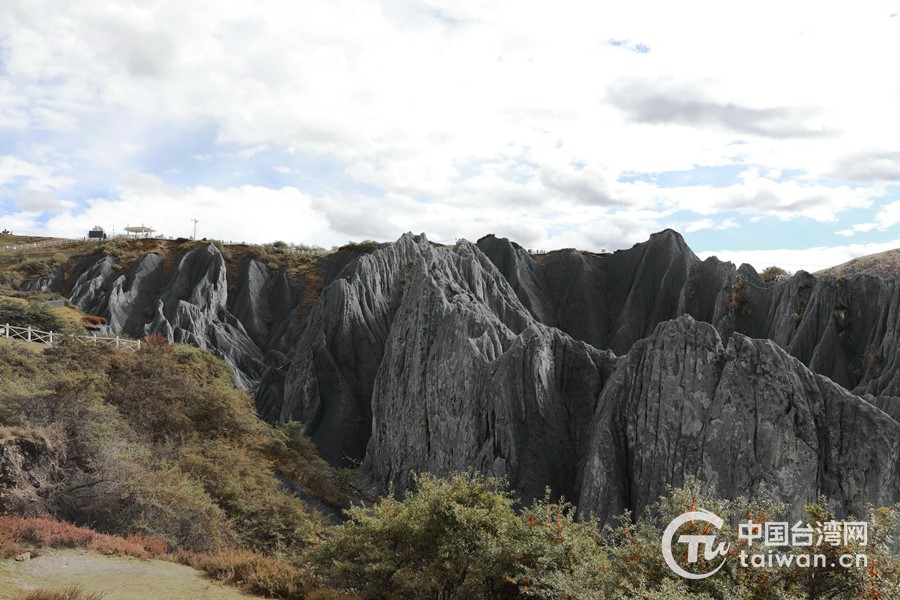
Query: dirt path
point(121, 578)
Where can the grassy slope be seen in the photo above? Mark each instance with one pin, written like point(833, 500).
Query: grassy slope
point(120, 577)
point(884, 264)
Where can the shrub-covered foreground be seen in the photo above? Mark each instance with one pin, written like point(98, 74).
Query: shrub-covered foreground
point(156, 442)
point(155, 445)
point(461, 538)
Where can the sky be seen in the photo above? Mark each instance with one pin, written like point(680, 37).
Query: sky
point(763, 132)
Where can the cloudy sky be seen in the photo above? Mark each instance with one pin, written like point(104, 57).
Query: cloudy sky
point(764, 132)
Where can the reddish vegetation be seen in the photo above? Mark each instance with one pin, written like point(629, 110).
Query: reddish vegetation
point(157, 341)
point(93, 321)
point(240, 568)
point(17, 534)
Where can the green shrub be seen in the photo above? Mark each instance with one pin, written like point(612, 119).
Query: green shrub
point(460, 537)
point(738, 299)
point(25, 314)
point(265, 517)
point(638, 569)
point(280, 254)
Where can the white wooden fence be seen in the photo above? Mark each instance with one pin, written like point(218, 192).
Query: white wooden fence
point(36, 336)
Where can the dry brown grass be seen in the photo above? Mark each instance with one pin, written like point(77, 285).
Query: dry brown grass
point(738, 299)
point(17, 534)
point(884, 264)
point(253, 572)
point(313, 285)
point(72, 592)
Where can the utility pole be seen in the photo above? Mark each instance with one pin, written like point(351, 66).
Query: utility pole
point(195, 228)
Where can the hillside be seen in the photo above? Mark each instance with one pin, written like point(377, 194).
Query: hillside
point(884, 264)
point(158, 448)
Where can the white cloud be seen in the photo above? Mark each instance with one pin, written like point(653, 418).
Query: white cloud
point(28, 177)
point(245, 213)
point(888, 216)
point(727, 224)
point(698, 225)
point(807, 259)
point(466, 118)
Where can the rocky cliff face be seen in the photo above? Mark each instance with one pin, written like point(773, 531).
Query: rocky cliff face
point(737, 416)
point(845, 329)
point(189, 302)
point(422, 357)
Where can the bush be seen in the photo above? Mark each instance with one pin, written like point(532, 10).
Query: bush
point(280, 254)
point(295, 455)
point(460, 537)
point(775, 274)
point(363, 247)
point(265, 518)
point(155, 443)
point(738, 299)
point(874, 360)
point(24, 314)
point(638, 570)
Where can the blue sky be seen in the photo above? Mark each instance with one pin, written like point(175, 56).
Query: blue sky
point(762, 132)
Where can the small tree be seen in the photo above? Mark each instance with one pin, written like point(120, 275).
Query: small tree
point(775, 274)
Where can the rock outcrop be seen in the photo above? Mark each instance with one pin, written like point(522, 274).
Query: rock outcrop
point(189, 302)
point(131, 295)
point(192, 309)
point(738, 417)
point(845, 329)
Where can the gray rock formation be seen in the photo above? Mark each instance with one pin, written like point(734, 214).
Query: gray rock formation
point(50, 282)
point(845, 329)
point(447, 369)
point(131, 295)
point(192, 309)
point(92, 283)
point(737, 417)
point(418, 357)
point(190, 303)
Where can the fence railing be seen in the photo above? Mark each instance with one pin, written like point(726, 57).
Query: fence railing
point(54, 303)
point(36, 336)
point(37, 244)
